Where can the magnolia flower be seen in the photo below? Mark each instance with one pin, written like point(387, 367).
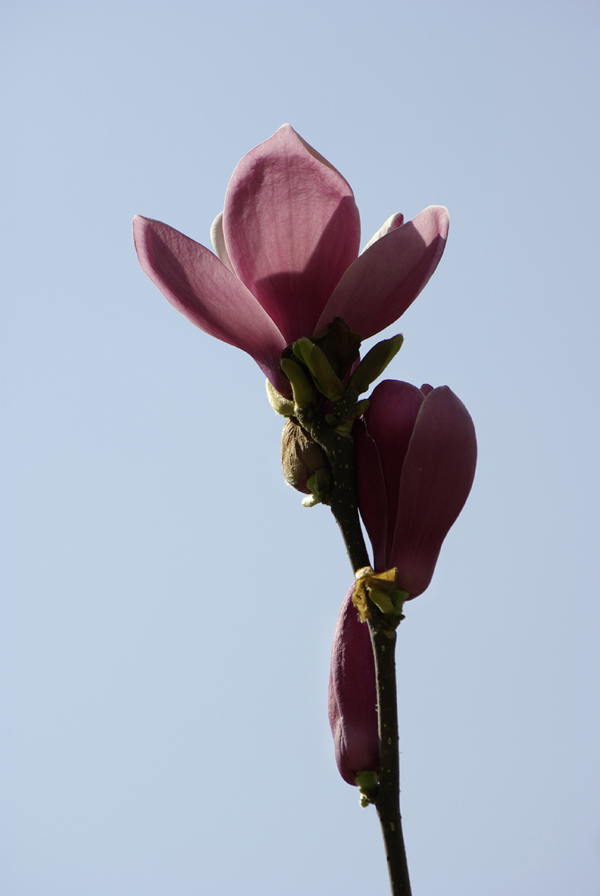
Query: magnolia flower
point(286, 258)
point(415, 461)
point(352, 695)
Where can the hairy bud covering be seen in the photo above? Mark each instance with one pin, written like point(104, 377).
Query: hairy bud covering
point(301, 457)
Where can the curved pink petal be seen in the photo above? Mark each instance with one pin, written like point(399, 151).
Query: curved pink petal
point(371, 493)
point(353, 695)
point(381, 284)
point(436, 480)
point(196, 283)
point(291, 229)
point(390, 420)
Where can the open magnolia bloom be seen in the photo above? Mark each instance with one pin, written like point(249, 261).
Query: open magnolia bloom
point(287, 259)
point(416, 453)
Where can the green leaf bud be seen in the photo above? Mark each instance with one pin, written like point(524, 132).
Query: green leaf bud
point(374, 363)
point(368, 784)
point(302, 348)
point(326, 379)
point(382, 600)
point(361, 407)
point(280, 405)
point(301, 387)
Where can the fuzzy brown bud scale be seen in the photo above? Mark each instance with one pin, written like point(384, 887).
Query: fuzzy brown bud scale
point(301, 457)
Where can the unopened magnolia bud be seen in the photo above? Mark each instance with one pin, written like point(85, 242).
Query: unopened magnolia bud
point(416, 454)
point(374, 363)
point(302, 348)
point(368, 785)
point(380, 588)
point(280, 405)
point(301, 388)
point(340, 344)
point(326, 379)
point(353, 700)
point(382, 600)
point(301, 459)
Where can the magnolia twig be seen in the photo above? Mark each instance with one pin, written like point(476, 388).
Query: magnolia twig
point(388, 796)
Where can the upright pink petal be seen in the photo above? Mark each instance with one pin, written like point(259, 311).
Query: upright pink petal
point(198, 285)
point(390, 420)
point(436, 480)
point(353, 695)
point(291, 229)
point(381, 284)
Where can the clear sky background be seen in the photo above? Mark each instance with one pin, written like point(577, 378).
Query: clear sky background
point(168, 605)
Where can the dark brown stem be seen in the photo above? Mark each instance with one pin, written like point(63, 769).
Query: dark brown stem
point(388, 796)
point(344, 504)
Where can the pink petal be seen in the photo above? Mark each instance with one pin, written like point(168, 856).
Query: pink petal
point(436, 480)
point(353, 695)
point(291, 229)
point(380, 285)
point(196, 283)
point(390, 420)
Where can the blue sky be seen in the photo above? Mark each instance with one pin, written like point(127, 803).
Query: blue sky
point(169, 605)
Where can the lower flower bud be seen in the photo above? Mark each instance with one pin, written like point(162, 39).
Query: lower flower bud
point(353, 696)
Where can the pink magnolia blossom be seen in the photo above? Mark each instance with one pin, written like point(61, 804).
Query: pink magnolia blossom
point(352, 695)
point(416, 453)
point(286, 258)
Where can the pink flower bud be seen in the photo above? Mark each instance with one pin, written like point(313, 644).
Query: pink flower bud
point(352, 695)
point(416, 453)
